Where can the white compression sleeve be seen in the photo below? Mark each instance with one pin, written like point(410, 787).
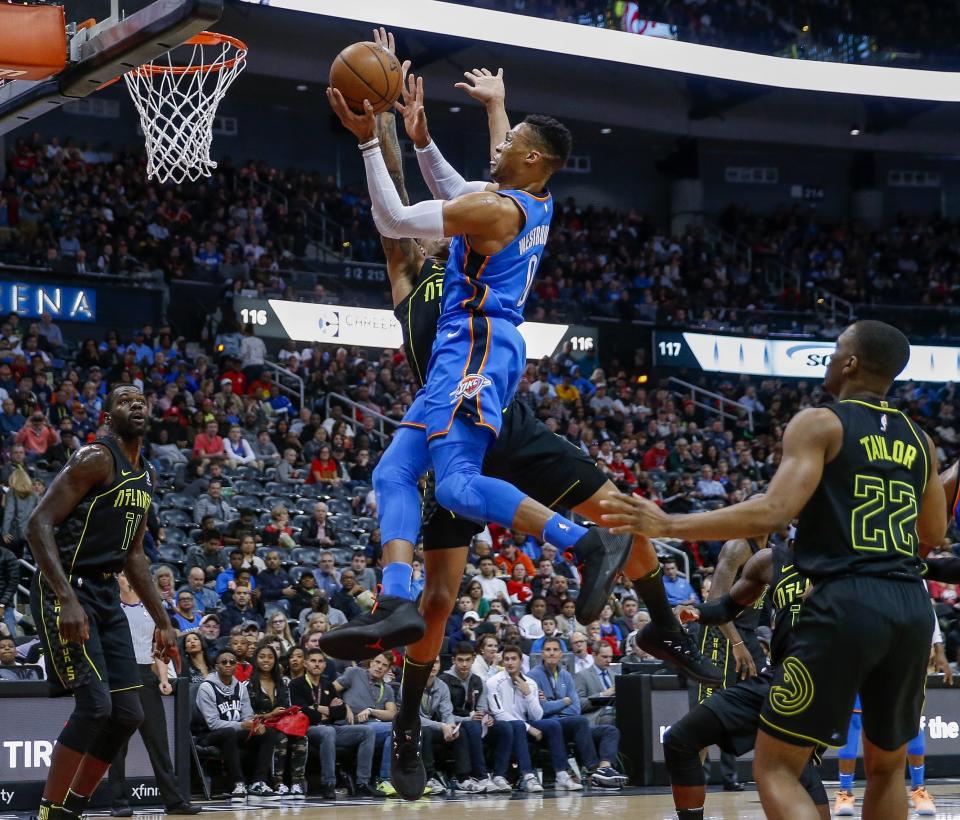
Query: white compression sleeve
point(441, 177)
point(394, 220)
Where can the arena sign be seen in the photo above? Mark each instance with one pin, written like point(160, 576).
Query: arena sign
point(489, 27)
point(64, 303)
point(787, 358)
point(369, 327)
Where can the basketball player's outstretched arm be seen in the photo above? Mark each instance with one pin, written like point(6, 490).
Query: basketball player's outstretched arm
point(812, 438)
point(488, 88)
point(490, 221)
point(443, 180)
point(91, 467)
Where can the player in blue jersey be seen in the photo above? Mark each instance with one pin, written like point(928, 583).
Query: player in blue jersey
point(498, 234)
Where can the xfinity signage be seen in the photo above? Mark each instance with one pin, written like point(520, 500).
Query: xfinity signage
point(796, 358)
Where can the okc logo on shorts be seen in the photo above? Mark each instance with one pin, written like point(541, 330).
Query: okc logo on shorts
point(469, 387)
point(796, 694)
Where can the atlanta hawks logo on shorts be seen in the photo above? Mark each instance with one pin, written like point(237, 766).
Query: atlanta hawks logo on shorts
point(469, 387)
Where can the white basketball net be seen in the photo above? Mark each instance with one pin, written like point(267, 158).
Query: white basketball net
point(178, 102)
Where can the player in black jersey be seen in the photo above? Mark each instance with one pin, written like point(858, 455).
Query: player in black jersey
point(733, 647)
point(88, 526)
point(528, 455)
point(729, 718)
point(863, 479)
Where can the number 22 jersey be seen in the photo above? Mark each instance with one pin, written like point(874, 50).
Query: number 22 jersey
point(862, 519)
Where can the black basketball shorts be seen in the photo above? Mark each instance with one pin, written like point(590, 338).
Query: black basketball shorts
point(526, 454)
point(854, 634)
point(106, 657)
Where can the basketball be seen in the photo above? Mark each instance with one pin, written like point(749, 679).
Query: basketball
point(365, 71)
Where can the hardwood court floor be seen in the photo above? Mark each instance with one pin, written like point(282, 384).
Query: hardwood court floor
point(628, 804)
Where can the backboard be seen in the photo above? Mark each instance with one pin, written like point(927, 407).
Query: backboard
point(98, 54)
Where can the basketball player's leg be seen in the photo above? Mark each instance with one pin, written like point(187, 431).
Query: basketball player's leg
point(777, 767)
point(920, 799)
point(892, 693)
point(847, 761)
point(395, 482)
point(884, 798)
point(444, 571)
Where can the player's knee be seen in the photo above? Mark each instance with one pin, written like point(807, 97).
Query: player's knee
point(458, 494)
point(126, 713)
point(682, 759)
point(437, 600)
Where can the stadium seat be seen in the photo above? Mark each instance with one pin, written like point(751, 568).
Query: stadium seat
point(175, 517)
point(307, 556)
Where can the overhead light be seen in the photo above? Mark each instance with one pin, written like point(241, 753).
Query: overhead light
point(805, 28)
point(855, 131)
point(606, 130)
point(301, 87)
point(454, 109)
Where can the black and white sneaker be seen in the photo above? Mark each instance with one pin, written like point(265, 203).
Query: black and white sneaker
point(607, 777)
point(603, 555)
point(391, 623)
point(261, 791)
point(679, 650)
point(239, 794)
point(407, 773)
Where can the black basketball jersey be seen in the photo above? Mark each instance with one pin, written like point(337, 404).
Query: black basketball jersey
point(418, 313)
point(862, 519)
point(95, 537)
point(787, 587)
point(749, 619)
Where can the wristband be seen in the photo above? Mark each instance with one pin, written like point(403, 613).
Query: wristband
point(738, 643)
point(371, 144)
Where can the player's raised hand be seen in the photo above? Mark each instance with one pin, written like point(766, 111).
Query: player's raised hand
point(484, 86)
point(414, 114)
point(362, 126)
point(384, 39)
point(633, 514)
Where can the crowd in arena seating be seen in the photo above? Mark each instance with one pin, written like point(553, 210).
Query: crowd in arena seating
point(770, 26)
point(265, 534)
point(75, 211)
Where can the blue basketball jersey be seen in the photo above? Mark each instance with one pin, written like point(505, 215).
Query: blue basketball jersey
point(498, 285)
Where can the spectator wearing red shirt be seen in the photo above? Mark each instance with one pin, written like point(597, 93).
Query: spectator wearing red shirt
point(208, 446)
point(234, 375)
point(620, 469)
point(510, 556)
point(518, 587)
point(36, 436)
point(324, 469)
point(656, 457)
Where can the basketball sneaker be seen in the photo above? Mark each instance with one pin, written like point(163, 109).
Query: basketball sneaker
point(603, 555)
point(392, 622)
point(922, 802)
point(680, 650)
point(407, 773)
point(844, 805)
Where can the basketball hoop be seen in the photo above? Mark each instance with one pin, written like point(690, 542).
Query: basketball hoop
point(177, 103)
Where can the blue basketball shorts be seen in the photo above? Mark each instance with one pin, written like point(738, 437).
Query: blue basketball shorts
point(474, 370)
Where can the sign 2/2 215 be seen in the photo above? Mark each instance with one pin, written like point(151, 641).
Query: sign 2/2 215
point(376, 275)
point(250, 316)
